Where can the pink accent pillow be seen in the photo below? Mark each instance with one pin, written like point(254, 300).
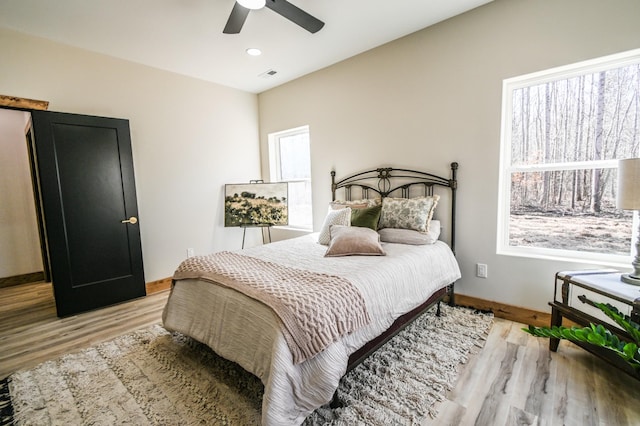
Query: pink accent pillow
point(353, 241)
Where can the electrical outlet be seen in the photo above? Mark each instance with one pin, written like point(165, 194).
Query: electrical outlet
point(481, 270)
point(190, 252)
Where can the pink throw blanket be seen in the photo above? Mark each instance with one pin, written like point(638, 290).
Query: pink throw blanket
point(315, 309)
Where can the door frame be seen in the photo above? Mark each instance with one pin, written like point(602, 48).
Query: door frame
point(14, 102)
point(27, 105)
point(37, 198)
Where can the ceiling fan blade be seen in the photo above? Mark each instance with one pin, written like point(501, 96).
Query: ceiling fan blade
point(295, 14)
point(236, 20)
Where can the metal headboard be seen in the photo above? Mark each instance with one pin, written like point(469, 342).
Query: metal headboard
point(388, 180)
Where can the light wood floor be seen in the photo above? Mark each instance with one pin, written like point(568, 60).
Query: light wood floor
point(513, 380)
point(30, 332)
point(516, 380)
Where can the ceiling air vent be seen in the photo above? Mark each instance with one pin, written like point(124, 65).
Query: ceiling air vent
point(268, 74)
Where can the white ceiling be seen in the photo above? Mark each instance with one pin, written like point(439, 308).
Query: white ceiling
point(185, 36)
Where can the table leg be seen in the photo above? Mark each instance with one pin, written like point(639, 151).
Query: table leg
point(556, 320)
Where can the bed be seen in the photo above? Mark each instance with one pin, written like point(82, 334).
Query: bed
point(375, 295)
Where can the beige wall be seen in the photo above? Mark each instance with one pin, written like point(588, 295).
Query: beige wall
point(189, 138)
point(19, 240)
point(434, 97)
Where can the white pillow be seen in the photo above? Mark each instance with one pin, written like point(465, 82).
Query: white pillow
point(334, 217)
point(409, 236)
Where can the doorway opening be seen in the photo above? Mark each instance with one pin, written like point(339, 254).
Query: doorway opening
point(82, 209)
point(22, 250)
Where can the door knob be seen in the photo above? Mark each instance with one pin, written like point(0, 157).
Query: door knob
point(132, 220)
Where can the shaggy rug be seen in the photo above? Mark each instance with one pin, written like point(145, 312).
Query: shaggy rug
point(153, 377)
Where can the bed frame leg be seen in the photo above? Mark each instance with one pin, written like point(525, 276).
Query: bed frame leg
point(452, 297)
point(335, 401)
point(438, 312)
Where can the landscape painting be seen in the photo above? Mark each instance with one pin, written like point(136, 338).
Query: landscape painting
point(256, 204)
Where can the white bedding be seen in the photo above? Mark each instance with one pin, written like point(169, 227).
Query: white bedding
point(391, 286)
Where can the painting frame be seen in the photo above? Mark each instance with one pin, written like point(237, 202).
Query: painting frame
point(256, 204)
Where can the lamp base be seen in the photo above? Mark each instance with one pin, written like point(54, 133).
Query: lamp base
point(630, 279)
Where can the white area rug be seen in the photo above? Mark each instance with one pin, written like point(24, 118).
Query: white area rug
point(152, 377)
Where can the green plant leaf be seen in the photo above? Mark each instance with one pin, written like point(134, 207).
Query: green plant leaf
point(622, 320)
point(631, 350)
point(567, 334)
point(596, 339)
point(581, 334)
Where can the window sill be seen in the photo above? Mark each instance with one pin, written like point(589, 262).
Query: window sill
point(293, 228)
point(619, 262)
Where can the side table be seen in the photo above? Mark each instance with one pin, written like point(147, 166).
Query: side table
point(598, 285)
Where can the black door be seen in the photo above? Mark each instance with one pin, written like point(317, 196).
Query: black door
point(87, 190)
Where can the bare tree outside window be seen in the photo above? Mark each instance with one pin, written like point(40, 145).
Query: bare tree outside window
point(565, 136)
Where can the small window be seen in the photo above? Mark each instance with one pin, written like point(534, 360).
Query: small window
point(563, 132)
point(290, 161)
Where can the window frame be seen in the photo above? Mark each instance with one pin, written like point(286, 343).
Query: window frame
point(506, 169)
point(273, 140)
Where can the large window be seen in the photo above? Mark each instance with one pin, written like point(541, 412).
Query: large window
point(290, 161)
point(563, 131)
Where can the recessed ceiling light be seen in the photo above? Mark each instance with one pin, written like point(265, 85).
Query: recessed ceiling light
point(254, 52)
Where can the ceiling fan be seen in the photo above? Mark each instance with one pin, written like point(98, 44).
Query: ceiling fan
point(293, 13)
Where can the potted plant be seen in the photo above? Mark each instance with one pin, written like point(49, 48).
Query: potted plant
point(600, 336)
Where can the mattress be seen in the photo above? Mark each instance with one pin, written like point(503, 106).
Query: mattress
point(249, 333)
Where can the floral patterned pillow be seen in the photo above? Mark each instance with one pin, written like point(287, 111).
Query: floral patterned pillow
point(408, 213)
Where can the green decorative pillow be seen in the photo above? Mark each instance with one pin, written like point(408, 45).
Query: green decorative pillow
point(367, 217)
point(408, 213)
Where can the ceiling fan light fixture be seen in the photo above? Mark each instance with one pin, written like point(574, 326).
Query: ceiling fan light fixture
point(242, 8)
point(252, 4)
